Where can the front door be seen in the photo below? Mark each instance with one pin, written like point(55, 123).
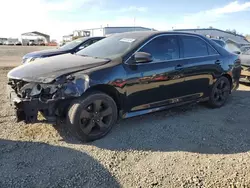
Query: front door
point(159, 82)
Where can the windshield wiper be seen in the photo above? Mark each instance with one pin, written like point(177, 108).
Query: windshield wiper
point(82, 55)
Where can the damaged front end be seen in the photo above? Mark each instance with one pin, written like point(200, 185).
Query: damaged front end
point(50, 99)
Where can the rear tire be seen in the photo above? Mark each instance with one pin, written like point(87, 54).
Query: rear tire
point(220, 93)
point(92, 116)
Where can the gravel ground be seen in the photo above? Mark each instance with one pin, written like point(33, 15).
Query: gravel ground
point(12, 55)
point(190, 146)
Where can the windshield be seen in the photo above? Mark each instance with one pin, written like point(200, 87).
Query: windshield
point(72, 44)
point(110, 47)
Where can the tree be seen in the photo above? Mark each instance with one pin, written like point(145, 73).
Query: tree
point(232, 31)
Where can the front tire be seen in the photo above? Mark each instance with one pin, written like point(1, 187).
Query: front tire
point(92, 116)
point(220, 93)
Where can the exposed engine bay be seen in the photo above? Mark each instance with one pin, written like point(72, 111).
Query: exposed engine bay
point(62, 88)
point(31, 97)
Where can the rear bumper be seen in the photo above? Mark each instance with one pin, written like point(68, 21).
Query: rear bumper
point(27, 110)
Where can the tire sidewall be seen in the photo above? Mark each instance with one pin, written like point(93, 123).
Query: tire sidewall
point(212, 102)
point(73, 118)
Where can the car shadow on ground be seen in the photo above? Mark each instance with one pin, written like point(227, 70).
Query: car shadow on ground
point(192, 128)
point(35, 164)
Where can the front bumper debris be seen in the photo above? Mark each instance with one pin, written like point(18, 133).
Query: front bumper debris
point(27, 110)
point(29, 99)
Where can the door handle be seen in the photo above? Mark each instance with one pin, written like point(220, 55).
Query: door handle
point(178, 67)
point(218, 62)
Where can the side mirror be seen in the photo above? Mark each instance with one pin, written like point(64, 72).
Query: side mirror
point(143, 57)
point(237, 52)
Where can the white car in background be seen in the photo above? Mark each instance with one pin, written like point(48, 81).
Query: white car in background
point(10, 43)
point(245, 48)
point(229, 47)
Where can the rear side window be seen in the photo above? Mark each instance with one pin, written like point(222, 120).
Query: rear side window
point(163, 48)
point(211, 51)
point(195, 47)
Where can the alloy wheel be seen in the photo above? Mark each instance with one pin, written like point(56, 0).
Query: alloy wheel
point(96, 118)
point(221, 92)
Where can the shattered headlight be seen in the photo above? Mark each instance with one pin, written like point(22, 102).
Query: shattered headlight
point(63, 87)
point(35, 89)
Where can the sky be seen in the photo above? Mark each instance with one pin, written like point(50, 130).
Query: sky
point(62, 17)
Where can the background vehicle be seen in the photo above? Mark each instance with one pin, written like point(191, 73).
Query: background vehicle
point(40, 43)
point(10, 43)
point(71, 47)
point(245, 64)
point(89, 89)
point(31, 43)
point(232, 48)
point(18, 43)
point(244, 49)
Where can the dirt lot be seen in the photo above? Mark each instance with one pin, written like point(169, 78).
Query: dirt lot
point(12, 55)
point(191, 146)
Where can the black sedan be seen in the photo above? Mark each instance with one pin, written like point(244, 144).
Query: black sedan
point(126, 75)
point(71, 47)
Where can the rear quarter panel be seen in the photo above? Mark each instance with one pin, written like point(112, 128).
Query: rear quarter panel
point(232, 67)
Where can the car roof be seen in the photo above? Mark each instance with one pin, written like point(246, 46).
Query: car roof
point(90, 37)
point(145, 35)
point(148, 34)
point(217, 39)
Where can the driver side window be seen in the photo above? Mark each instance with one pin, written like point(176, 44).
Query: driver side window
point(163, 48)
point(86, 44)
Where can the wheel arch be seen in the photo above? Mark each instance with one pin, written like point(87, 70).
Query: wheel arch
point(109, 90)
point(229, 77)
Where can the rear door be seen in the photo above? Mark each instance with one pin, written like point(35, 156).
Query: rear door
point(202, 65)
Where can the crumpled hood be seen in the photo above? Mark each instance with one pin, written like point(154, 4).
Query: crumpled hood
point(245, 60)
point(48, 69)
